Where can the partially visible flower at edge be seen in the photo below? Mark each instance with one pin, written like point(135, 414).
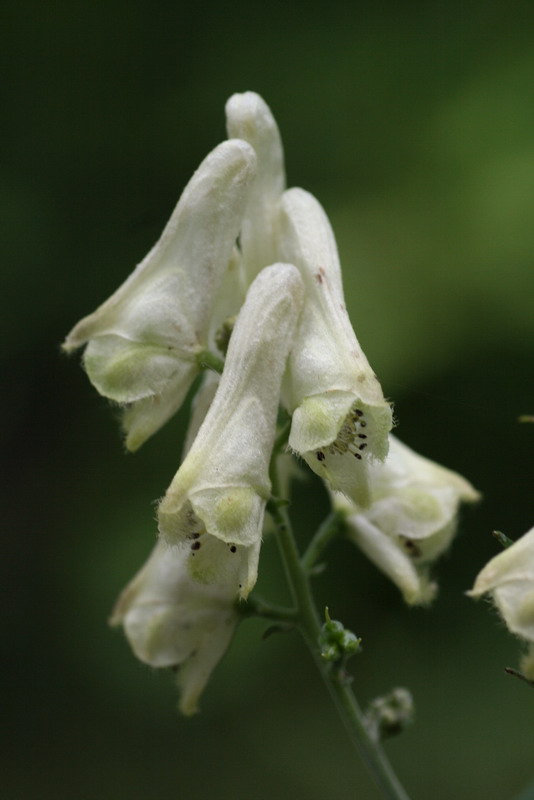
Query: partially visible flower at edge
point(509, 579)
point(412, 518)
point(216, 502)
point(340, 420)
point(142, 342)
point(171, 620)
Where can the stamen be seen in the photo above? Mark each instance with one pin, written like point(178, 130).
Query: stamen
point(411, 548)
point(349, 433)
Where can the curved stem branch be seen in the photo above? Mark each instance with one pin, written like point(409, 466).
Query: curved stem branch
point(255, 607)
point(328, 530)
point(208, 360)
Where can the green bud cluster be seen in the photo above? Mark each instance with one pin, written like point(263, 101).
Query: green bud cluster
point(336, 642)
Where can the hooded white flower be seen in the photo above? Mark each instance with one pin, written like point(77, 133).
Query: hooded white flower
point(509, 579)
point(172, 620)
point(340, 417)
point(250, 118)
point(411, 520)
point(216, 501)
point(143, 340)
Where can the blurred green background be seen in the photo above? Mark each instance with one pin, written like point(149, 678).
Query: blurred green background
point(414, 125)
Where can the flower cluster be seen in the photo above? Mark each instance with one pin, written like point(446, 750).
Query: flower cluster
point(241, 253)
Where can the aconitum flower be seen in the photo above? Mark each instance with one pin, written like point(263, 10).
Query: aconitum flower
point(340, 420)
point(216, 502)
point(143, 341)
point(172, 620)
point(411, 520)
point(340, 417)
point(509, 579)
point(248, 117)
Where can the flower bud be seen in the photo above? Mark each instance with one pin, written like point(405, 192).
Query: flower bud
point(216, 501)
point(250, 118)
point(389, 715)
point(337, 643)
point(143, 340)
point(340, 418)
point(509, 579)
point(411, 520)
point(171, 620)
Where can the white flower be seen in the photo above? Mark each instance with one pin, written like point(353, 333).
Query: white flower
point(509, 579)
point(216, 501)
point(411, 520)
point(249, 118)
point(172, 620)
point(340, 418)
point(142, 342)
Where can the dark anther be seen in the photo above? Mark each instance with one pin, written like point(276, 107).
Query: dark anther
point(411, 547)
point(195, 546)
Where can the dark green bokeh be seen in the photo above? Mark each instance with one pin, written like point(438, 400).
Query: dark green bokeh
point(414, 125)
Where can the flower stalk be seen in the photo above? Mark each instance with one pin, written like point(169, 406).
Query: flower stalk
point(309, 624)
point(331, 527)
